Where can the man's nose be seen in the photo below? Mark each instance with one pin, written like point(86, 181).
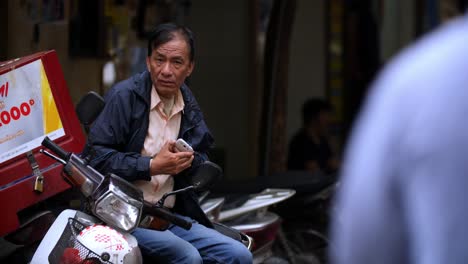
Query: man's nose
point(166, 69)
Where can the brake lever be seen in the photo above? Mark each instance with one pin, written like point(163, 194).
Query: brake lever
point(52, 156)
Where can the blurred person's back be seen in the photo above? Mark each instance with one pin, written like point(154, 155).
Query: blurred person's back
point(404, 192)
point(310, 148)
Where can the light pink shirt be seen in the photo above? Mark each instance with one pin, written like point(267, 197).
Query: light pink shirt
point(161, 129)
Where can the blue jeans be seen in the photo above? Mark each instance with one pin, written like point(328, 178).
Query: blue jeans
point(197, 245)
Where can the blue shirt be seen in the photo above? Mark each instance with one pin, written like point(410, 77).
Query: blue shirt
point(404, 192)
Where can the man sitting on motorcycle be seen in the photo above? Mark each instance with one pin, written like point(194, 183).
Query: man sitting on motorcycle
point(134, 138)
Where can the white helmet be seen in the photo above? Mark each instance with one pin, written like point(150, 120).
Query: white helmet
point(109, 245)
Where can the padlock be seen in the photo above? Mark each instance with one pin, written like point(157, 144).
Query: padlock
point(39, 184)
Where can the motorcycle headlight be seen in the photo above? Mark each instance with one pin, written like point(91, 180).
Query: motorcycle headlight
point(117, 207)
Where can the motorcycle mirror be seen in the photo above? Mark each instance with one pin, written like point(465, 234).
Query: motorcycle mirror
point(89, 107)
point(206, 175)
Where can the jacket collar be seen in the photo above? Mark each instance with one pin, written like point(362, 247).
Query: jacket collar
point(143, 86)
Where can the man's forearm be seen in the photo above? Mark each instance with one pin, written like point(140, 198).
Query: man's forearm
point(128, 165)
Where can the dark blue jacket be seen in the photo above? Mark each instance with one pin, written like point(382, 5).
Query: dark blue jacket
point(118, 135)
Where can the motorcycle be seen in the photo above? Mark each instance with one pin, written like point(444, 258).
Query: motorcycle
point(301, 236)
point(249, 214)
point(112, 201)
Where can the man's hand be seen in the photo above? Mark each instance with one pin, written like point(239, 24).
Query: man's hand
point(169, 162)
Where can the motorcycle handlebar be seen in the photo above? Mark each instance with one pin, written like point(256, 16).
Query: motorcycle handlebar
point(48, 143)
point(167, 215)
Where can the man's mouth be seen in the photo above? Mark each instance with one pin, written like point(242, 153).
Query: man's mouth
point(166, 83)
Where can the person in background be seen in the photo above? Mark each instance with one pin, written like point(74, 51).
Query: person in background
point(134, 138)
point(310, 148)
point(403, 193)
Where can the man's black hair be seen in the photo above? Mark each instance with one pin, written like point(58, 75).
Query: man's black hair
point(312, 108)
point(164, 33)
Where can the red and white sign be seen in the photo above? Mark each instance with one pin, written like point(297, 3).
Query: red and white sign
point(28, 111)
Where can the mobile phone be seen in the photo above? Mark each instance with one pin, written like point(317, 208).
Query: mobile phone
point(181, 145)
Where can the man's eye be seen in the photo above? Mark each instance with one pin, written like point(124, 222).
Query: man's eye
point(178, 63)
point(159, 60)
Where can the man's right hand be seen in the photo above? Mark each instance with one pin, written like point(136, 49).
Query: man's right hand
point(169, 162)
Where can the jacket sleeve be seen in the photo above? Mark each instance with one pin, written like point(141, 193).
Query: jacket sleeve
point(204, 140)
point(201, 139)
point(109, 137)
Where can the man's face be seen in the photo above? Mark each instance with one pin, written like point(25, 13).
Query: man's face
point(324, 121)
point(321, 124)
point(169, 65)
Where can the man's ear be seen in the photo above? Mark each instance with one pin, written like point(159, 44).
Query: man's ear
point(190, 69)
point(148, 58)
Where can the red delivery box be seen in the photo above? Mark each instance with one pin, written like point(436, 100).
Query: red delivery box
point(34, 103)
